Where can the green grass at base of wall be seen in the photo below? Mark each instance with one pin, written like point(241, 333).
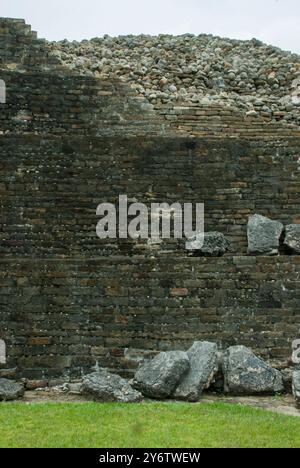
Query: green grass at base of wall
point(152, 425)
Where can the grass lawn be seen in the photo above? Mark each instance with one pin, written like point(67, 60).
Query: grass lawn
point(162, 425)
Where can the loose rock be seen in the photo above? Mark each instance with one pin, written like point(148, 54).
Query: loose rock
point(227, 72)
point(159, 377)
point(292, 238)
point(103, 386)
point(296, 387)
point(10, 390)
point(247, 374)
point(203, 358)
point(263, 235)
point(211, 244)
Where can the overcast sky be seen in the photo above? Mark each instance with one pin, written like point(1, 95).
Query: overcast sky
point(273, 21)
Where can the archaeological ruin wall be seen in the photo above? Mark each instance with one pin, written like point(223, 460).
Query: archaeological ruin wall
point(69, 141)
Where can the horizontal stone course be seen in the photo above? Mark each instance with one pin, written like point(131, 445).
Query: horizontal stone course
point(50, 187)
point(56, 327)
point(39, 84)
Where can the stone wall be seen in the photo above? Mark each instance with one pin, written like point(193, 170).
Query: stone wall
point(69, 141)
point(50, 187)
point(59, 317)
point(45, 94)
point(15, 39)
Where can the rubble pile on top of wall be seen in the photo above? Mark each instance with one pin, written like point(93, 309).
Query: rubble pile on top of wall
point(257, 79)
point(177, 73)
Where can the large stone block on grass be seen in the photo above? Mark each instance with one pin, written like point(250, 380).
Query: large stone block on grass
point(103, 386)
point(247, 374)
point(159, 377)
point(203, 357)
point(263, 235)
point(10, 390)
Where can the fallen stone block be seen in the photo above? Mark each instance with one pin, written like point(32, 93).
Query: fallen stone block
point(296, 387)
point(247, 374)
point(103, 386)
point(159, 377)
point(203, 357)
point(263, 235)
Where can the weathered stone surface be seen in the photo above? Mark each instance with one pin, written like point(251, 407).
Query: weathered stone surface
point(287, 378)
point(203, 358)
point(211, 244)
point(103, 386)
point(263, 235)
point(292, 238)
point(160, 144)
point(10, 390)
point(296, 386)
point(240, 284)
point(247, 374)
point(159, 377)
point(224, 73)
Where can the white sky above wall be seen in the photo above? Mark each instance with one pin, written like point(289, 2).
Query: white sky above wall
point(275, 22)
